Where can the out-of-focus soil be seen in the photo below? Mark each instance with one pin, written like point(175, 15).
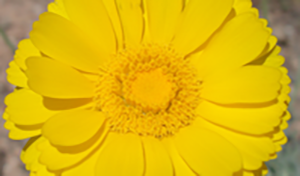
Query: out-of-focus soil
point(17, 16)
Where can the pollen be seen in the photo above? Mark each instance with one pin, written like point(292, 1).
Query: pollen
point(150, 90)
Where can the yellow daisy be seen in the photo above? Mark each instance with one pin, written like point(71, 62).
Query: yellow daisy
point(148, 88)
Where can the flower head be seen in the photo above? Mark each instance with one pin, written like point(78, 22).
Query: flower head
point(148, 87)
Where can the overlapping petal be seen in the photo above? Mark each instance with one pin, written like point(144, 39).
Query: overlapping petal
point(179, 164)
point(87, 167)
point(248, 84)
point(57, 158)
point(25, 50)
point(20, 132)
point(66, 42)
point(15, 75)
point(58, 7)
point(131, 16)
point(240, 41)
point(25, 107)
point(93, 19)
point(253, 149)
point(163, 17)
point(257, 121)
point(200, 148)
point(112, 10)
point(51, 78)
point(199, 20)
point(30, 154)
point(157, 159)
point(127, 156)
point(244, 6)
point(71, 128)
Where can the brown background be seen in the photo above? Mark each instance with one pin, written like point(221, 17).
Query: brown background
point(17, 16)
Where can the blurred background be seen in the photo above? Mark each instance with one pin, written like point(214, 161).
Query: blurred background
point(17, 16)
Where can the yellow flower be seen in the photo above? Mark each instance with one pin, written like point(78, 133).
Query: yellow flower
point(148, 88)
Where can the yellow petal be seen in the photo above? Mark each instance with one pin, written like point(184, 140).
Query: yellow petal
point(285, 79)
point(26, 108)
point(284, 125)
point(287, 116)
point(62, 40)
point(272, 43)
point(25, 50)
point(111, 8)
point(270, 56)
point(285, 90)
point(247, 120)
point(156, 158)
point(200, 148)
point(199, 20)
point(254, 150)
point(240, 41)
point(246, 173)
point(21, 134)
point(121, 155)
point(279, 143)
point(87, 167)
point(65, 104)
point(263, 170)
point(270, 46)
point(58, 7)
point(44, 172)
point(93, 19)
point(72, 128)
point(278, 136)
point(162, 18)
point(30, 154)
point(274, 61)
point(58, 158)
point(179, 164)
point(5, 115)
point(284, 97)
point(275, 51)
point(131, 16)
point(15, 75)
point(94, 78)
point(248, 84)
point(51, 78)
point(242, 6)
point(17, 132)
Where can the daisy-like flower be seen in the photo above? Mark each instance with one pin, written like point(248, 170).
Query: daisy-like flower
point(148, 88)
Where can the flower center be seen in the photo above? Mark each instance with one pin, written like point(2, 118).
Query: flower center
point(150, 90)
